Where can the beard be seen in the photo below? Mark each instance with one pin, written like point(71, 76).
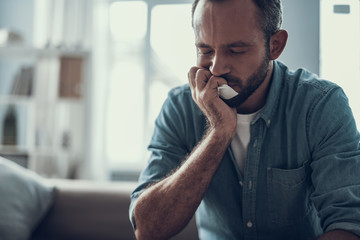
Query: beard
point(250, 85)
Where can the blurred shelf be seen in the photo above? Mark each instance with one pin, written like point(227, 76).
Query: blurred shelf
point(16, 99)
point(16, 154)
point(50, 120)
point(20, 158)
point(13, 149)
point(23, 51)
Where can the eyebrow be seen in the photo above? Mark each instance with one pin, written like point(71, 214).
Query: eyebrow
point(240, 44)
point(202, 45)
point(234, 44)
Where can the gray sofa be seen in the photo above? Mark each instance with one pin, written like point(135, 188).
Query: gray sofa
point(85, 210)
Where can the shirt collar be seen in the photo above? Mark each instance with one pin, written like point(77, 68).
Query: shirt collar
point(272, 100)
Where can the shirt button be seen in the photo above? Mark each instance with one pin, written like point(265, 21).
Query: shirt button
point(241, 183)
point(249, 224)
point(250, 185)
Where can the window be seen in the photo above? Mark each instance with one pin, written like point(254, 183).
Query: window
point(151, 52)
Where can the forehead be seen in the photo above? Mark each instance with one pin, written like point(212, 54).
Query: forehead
point(229, 20)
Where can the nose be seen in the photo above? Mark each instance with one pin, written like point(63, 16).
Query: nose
point(219, 65)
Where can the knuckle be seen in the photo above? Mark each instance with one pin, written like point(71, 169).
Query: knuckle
point(192, 72)
point(193, 94)
point(202, 96)
point(193, 69)
point(202, 73)
point(217, 80)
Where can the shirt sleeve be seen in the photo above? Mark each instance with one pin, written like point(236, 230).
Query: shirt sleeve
point(170, 143)
point(334, 142)
point(347, 226)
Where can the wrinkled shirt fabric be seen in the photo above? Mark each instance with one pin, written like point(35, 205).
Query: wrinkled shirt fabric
point(302, 171)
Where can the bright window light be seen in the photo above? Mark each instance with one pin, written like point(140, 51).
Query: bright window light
point(128, 20)
point(173, 39)
point(125, 109)
point(173, 53)
point(125, 112)
point(143, 69)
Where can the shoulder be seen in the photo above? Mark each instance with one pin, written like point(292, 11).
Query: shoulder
point(303, 88)
point(180, 92)
point(305, 94)
point(179, 106)
point(303, 80)
point(180, 98)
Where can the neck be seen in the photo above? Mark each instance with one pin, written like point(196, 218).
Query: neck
point(258, 99)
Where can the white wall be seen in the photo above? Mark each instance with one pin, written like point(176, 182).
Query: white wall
point(340, 48)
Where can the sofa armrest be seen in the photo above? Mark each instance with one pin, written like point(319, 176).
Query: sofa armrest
point(93, 210)
point(88, 210)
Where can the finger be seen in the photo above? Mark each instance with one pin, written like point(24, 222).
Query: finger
point(210, 92)
point(191, 76)
point(201, 78)
point(215, 82)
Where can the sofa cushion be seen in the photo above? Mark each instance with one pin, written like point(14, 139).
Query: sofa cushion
point(24, 200)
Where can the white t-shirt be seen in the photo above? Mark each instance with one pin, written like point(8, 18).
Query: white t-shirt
point(242, 137)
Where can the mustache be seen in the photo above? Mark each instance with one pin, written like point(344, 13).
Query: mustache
point(231, 79)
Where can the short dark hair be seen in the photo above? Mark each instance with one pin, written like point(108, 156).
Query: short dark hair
point(269, 17)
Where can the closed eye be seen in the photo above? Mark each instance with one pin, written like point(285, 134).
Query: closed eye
point(237, 51)
point(205, 51)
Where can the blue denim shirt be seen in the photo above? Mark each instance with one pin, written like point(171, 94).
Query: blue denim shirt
point(302, 172)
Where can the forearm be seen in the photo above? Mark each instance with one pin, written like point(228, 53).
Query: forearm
point(166, 207)
point(338, 235)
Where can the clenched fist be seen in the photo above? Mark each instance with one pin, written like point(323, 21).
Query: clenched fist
point(204, 88)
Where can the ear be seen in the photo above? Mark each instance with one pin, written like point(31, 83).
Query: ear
point(277, 43)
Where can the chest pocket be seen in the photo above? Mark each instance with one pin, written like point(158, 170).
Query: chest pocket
point(288, 194)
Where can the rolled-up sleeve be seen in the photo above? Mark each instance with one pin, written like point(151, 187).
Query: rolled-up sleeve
point(170, 143)
point(334, 141)
point(347, 226)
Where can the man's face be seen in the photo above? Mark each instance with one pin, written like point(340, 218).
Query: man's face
point(231, 44)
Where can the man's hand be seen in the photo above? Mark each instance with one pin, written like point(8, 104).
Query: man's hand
point(338, 235)
point(204, 88)
point(165, 208)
